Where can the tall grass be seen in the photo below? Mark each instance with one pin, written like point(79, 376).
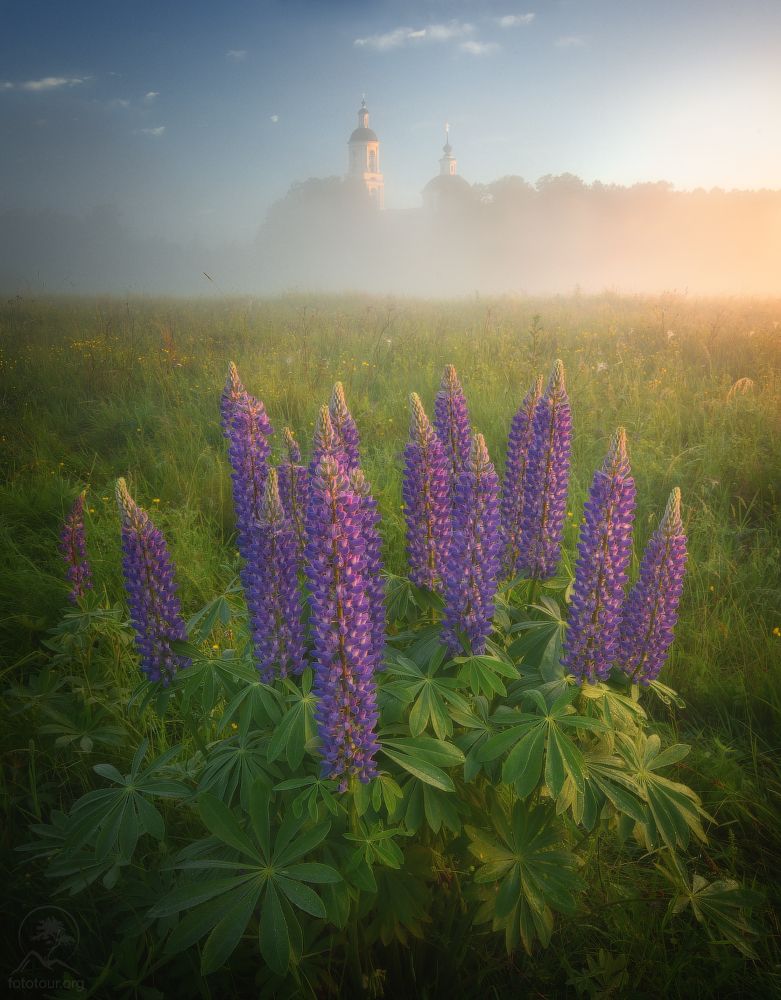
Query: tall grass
point(93, 390)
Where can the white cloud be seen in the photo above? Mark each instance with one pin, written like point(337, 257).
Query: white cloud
point(478, 48)
point(119, 102)
point(52, 83)
point(151, 96)
point(570, 42)
point(274, 119)
point(410, 36)
point(514, 20)
point(236, 55)
point(157, 131)
point(6, 85)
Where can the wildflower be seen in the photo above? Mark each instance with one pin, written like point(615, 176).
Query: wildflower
point(73, 546)
point(546, 479)
point(293, 489)
point(451, 421)
point(475, 553)
point(604, 551)
point(345, 427)
point(270, 578)
point(326, 442)
point(518, 445)
point(246, 426)
point(344, 663)
point(375, 588)
point(155, 611)
point(651, 608)
point(426, 492)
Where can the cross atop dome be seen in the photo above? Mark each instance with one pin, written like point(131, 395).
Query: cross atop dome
point(447, 163)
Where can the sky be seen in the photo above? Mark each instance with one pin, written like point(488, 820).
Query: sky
point(193, 117)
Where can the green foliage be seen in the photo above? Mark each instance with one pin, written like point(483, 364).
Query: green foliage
point(584, 817)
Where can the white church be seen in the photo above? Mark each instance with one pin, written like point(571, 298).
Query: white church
point(364, 165)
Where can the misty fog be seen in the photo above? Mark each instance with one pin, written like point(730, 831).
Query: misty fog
point(506, 237)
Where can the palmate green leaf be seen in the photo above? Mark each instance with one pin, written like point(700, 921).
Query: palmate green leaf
point(235, 764)
point(421, 770)
point(673, 811)
point(252, 875)
point(523, 853)
point(484, 674)
point(724, 907)
point(523, 765)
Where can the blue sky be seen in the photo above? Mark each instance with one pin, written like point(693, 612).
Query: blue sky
point(193, 117)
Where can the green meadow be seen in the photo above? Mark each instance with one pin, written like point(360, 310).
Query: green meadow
point(95, 389)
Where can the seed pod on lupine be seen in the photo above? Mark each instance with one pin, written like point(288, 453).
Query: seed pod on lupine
point(604, 551)
point(270, 579)
point(341, 625)
point(73, 546)
point(451, 422)
point(651, 608)
point(546, 480)
point(513, 488)
point(155, 612)
point(475, 554)
point(426, 493)
point(246, 426)
point(345, 427)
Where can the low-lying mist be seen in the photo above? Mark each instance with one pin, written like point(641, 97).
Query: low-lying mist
point(504, 237)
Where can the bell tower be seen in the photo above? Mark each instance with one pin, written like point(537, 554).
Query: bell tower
point(447, 163)
point(364, 157)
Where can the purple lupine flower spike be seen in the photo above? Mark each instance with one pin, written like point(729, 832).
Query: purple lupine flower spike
point(326, 442)
point(375, 586)
point(547, 477)
point(293, 489)
point(451, 421)
point(270, 579)
point(651, 608)
point(513, 488)
point(604, 551)
point(155, 611)
point(426, 493)
point(475, 554)
point(341, 626)
point(246, 426)
point(345, 427)
point(73, 546)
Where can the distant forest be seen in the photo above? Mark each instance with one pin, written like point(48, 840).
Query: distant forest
point(506, 237)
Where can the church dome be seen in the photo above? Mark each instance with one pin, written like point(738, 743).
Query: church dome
point(447, 184)
point(363, 135)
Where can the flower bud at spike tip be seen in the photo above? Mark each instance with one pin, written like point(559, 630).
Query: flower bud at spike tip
point(604, 551)
point(270, 579)
point(451, 420)
point(291, 445)
point(651, 609)
point(246, 426)
point(155, 612)
point(345, 427)
point(546, 480)
point(426, 493)
point(475, 554)
point(518, 445)
point(326, 442)
point(73, 546)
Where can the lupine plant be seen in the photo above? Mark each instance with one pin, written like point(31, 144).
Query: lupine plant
point(73, 546)
point(155, 611)
point(365, 731)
